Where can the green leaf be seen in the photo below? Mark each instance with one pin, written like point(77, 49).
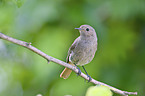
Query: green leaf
point(98, 91)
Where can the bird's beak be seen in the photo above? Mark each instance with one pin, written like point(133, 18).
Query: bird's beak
point(78, 28)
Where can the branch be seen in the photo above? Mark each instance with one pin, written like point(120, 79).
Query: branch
point(73, 68)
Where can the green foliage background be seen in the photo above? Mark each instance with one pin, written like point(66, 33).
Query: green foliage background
point(49, 25)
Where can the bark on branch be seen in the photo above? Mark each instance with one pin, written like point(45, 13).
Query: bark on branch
point(49, 58)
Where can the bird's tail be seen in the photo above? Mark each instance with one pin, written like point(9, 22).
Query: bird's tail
point(66, 72)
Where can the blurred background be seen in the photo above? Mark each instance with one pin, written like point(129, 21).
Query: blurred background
point(49, 26)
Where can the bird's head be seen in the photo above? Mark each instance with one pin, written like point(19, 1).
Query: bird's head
point(86, 30)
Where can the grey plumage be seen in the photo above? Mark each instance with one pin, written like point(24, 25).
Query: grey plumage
point(83, 49)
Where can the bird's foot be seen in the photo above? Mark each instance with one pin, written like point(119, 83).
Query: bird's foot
point(89, 78)
point(79, 71)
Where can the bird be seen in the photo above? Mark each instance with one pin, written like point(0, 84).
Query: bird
point(82, 51)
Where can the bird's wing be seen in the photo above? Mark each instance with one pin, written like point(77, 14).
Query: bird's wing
point(73, 46)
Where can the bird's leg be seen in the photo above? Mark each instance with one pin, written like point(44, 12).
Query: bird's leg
point(79, 71)
point(87, 74)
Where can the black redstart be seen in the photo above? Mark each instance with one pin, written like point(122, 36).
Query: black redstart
point(82, 50)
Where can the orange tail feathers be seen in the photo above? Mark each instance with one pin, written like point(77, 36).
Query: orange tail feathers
point(66, 72)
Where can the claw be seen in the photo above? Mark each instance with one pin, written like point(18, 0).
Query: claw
point(79, 71)
point(89, 78)
point(87, 74)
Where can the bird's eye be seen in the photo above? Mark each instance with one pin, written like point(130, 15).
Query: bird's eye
point(87, 29)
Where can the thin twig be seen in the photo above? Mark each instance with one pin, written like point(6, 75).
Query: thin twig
point(49, 58)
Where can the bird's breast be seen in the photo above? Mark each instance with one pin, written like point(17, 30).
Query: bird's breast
point(84, 52)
